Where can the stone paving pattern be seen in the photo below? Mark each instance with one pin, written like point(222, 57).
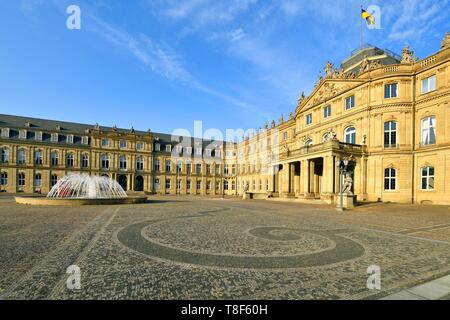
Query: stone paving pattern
point(199, 248)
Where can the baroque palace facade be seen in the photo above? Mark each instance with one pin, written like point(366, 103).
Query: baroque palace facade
point(387, 114)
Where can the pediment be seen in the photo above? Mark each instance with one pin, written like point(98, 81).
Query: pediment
point(326, 90)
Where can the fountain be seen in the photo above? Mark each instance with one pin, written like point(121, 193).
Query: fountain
point(83, 189)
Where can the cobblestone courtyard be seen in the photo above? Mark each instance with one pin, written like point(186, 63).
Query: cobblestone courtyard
point(203, 248)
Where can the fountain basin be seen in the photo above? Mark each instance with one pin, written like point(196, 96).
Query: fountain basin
point(45, 201)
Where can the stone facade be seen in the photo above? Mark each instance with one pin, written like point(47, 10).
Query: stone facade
point(391, 120)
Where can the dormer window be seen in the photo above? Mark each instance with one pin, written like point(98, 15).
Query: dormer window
point(69, 138)
point(85, 140)
point(157, 147)
point(54, 137)
point(38, 136)
point(168, 148)
point(208, 152)
point(5, 132)
point(179, 149)
point(22, 134)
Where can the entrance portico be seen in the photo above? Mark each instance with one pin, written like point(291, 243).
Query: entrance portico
point(310, 172)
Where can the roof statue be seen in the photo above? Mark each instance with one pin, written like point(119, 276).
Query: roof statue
point(408, 55)
point(328, 70)
point(446, 41)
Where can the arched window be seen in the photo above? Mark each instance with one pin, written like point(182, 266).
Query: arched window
point(54, 158)
point(4, 157)
point(390, 134)
point(105, 162)
point(140, 163)
point(38, 157)
point(70, 160)
point(350, 135)
point(122, 163)
point(429, 130)
point(390, 179)
point(3, 179)
point(84, 160)
point(427, 178)
point(54, 179)
point(21, 157)
point(37, 180)
point(308, 143)
point(21, 179)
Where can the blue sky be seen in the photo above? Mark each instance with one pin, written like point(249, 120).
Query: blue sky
point(161, 64)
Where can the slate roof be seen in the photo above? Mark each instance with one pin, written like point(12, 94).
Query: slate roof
point(49, 126)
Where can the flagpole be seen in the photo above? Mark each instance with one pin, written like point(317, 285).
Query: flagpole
point(361, 20)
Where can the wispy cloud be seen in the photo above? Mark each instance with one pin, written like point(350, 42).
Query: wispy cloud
point(159, 57)
point(416, 18)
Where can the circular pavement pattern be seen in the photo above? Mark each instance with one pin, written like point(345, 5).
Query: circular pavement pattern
point(343, 249)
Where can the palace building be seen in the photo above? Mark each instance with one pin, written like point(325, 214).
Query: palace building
point(388, 115)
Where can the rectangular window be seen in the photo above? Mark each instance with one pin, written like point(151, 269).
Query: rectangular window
point(188, 150)
point(390, 179)
point(390, 91)
point(21, 179)
point(168, 166)
point(168, 148)
point(199, 184)
point(157, 166)
point(199, 168)
point(429, 130)
point(85, 140)
point(198, 151)
point(157, 147)
point(188, 185)
point(140, 146)
point(168, 183)
point(38, 180)
point(326, 112)
point(69, 138)
point(188, 168)
point(285, 136)
point(349, 103)
point(390, 134)
point(122, 144)
point(429, 84)
point(428, 178)
point(179, 149)
point(105, 142)
point(309, 119)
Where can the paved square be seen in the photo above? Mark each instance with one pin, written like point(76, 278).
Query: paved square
point(203, 248)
